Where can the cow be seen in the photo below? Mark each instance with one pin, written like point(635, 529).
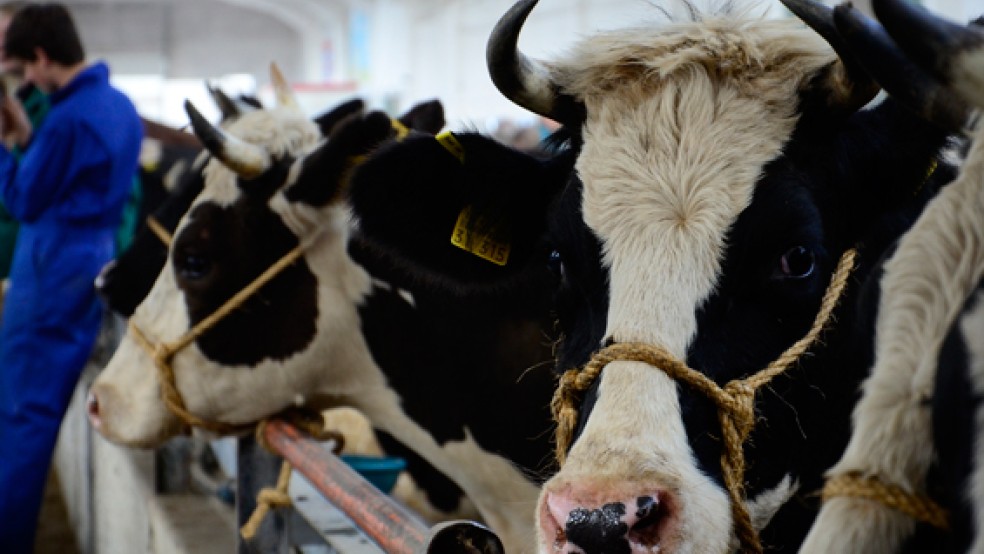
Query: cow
point(727, 175)
point(338, 327)
point(917, 426)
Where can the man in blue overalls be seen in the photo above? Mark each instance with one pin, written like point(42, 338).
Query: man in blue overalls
point(68, 191)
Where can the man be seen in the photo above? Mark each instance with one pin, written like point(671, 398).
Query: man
point(36, 105)
point(68, 191)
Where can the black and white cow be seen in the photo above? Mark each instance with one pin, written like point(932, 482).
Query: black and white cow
point(919, 423)
point(339, 327)
point(723, 166)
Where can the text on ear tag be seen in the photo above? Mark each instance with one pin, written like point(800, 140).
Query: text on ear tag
point(482, 245)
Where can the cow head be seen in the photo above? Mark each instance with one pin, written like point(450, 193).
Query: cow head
point(124, 282)
point(722, 168)
point(272, 185)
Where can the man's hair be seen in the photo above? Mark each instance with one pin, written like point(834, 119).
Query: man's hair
point(46, 26)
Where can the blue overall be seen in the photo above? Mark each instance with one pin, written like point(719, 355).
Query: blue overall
point(68, 191)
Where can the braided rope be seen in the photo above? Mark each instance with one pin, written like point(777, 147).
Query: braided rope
point(735, 401)
point(916, 506)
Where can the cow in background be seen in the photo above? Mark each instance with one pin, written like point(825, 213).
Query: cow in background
point(724, 165)
point(918, 425)
point(339, 327)
point(125, 281)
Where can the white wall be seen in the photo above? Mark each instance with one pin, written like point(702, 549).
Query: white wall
point(417, 49)
point(436, 48)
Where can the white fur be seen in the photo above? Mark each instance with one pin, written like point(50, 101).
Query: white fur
point(938, 263)
point(672, 153)
point(767, 503)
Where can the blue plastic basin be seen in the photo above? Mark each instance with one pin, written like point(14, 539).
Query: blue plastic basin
point(380, 471)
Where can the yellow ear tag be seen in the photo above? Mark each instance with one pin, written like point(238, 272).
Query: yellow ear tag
point(400, 129)
point(451, 144)
point(483, 246)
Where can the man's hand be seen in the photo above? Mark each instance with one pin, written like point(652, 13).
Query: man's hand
point(15, 127)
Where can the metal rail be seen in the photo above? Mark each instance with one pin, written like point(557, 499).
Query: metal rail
point(385, 521)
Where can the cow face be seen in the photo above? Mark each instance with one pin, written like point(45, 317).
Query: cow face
point(240, 225)
point(722, 168)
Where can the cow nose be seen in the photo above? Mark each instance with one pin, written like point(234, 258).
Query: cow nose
point(618, 526)
point(92, 409)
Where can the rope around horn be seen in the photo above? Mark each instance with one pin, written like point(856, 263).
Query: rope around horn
point(735, 401)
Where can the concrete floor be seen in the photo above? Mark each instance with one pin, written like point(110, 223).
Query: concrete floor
point(55, 534)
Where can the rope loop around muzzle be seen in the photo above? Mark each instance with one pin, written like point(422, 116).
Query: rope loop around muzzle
point(735, 401)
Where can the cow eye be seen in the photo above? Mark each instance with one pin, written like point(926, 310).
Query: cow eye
point(193, 266)
point(798, 262)
point(556, 264)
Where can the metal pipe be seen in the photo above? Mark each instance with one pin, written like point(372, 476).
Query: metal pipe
point(385, 521)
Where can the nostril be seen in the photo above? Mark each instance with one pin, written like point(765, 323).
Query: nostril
point(92, 408)
point(647, 512)
point(648, 528)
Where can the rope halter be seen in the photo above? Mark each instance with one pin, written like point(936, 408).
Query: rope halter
point(735, 401)
point(162, 353)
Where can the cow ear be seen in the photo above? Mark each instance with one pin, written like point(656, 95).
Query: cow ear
point(324, 173)
point(227, 107)
point(426, 117)
point(330, 119)
point(460, 209)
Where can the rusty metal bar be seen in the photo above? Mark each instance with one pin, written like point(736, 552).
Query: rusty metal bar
point(385, 521)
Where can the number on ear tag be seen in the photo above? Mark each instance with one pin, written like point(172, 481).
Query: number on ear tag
point(481, 245)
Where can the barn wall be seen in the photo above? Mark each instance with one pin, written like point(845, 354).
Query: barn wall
point(412, 49)
point(436, 48)
point(427, 48)
point(181, 39)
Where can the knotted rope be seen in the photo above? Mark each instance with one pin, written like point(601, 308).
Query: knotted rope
point(735, 401)
point(918, 507)
point(279, 496)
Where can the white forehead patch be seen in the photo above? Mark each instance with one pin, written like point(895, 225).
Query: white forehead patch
point(677, 134)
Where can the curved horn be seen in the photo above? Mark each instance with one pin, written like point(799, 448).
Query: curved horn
point(245, 159)
point(285, 95)
point(943, 48)
point(905, 81)
point(523, 80)
point(228, 108)
point(850, 87)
